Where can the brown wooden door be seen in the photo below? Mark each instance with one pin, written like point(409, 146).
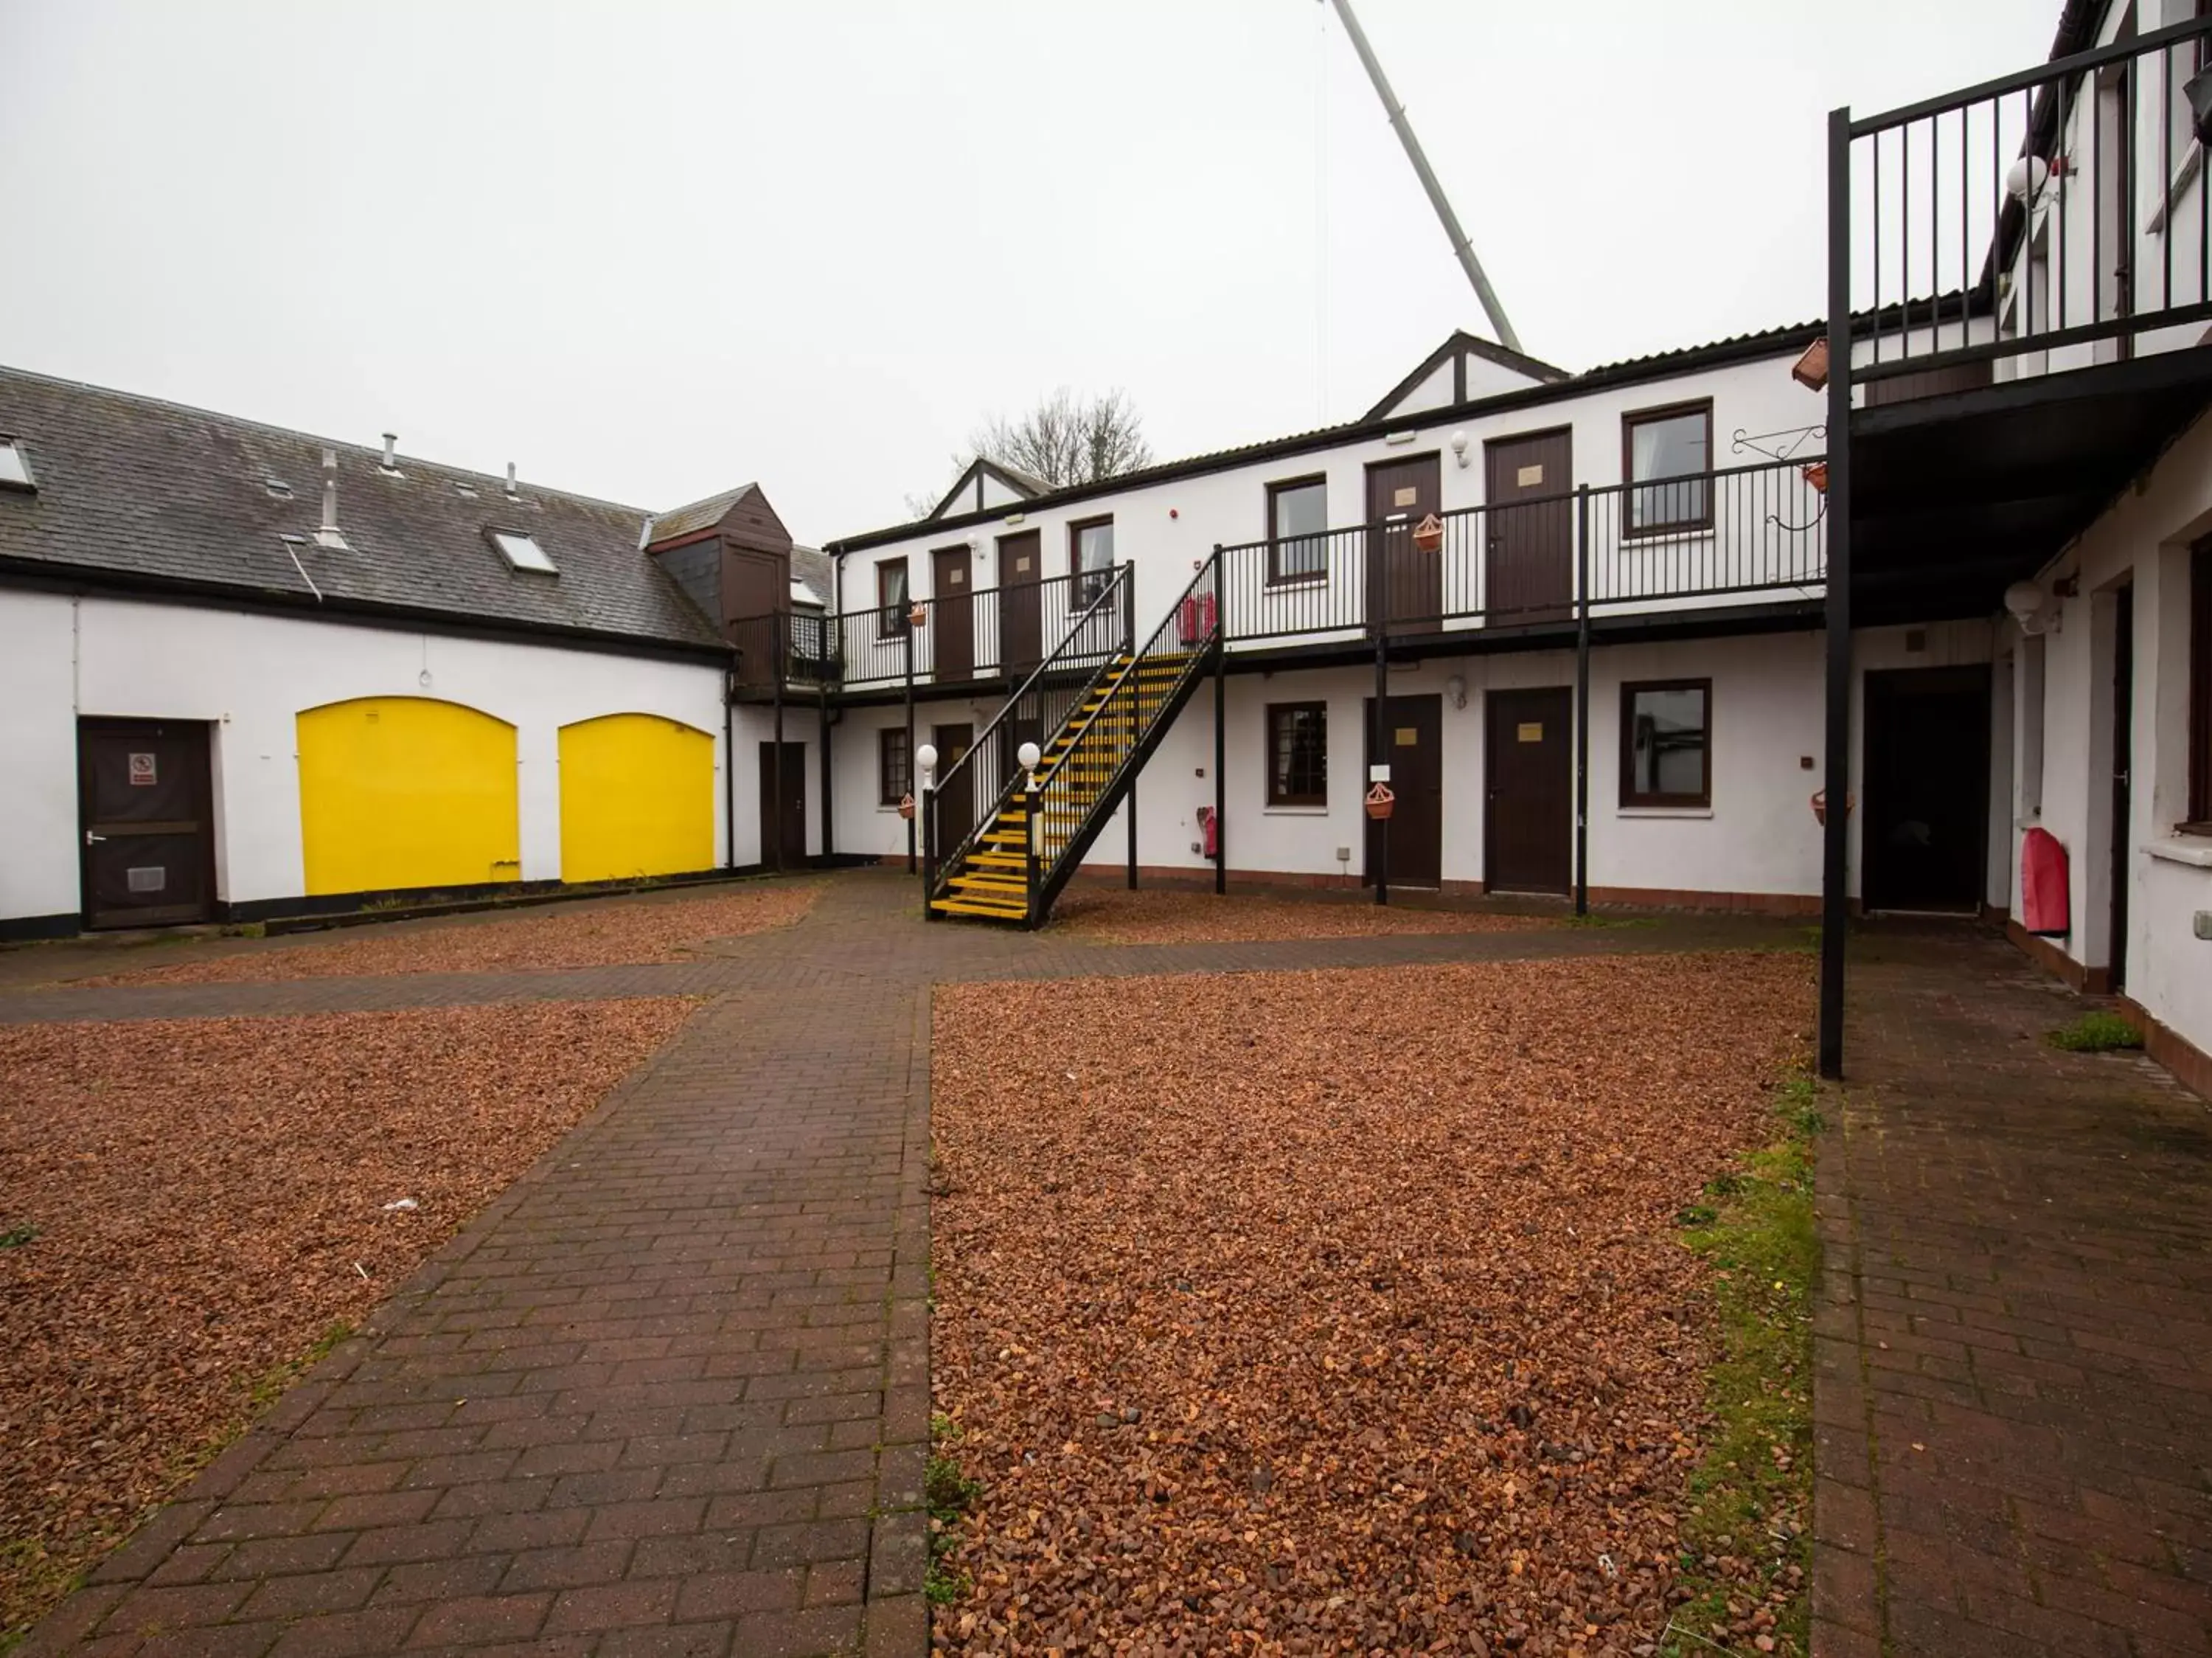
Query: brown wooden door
point(1925, 800)
point(1021, 615)
point(145, 807)
point(1528, 802)
point(1404, 586)
point(955, 810)
point(1413, 747)
point(783, 843)
point(2124, 738)
point(953, 623)
point(1528, 529)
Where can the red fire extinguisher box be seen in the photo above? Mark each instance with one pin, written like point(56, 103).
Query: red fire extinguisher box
point(2046, 905)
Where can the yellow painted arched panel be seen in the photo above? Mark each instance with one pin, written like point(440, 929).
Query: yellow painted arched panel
point(637, 798)
point(406, 791)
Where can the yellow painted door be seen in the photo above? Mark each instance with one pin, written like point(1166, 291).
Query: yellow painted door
point(399, 792)
point(637, 798)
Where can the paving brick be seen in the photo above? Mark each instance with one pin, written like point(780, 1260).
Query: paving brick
point(480, 1621)
point(2017, 1231)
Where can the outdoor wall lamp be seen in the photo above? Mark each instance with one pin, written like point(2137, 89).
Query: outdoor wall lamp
point(2026, 601)
point(1459, 448)
point(926, 758)
point(1455, 688)
point(2025, 178)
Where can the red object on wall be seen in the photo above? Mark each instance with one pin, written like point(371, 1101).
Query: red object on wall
point(1210, 830)
point(1198, 618)
point(2046, 908)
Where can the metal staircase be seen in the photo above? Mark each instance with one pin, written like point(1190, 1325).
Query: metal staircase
point(1095, 709)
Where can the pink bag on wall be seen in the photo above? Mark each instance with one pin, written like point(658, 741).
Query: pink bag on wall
point(2046, 908)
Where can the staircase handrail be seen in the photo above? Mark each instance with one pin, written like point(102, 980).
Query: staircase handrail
point(1056, 876)
point(945, 857)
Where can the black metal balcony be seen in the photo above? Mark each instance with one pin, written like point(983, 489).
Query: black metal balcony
point(2025, 271)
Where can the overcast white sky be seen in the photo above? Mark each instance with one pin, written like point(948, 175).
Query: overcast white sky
point(650, 249)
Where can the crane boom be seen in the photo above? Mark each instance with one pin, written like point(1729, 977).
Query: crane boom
point(1461, 248)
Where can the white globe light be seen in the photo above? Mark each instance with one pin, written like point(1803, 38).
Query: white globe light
point(1029, 754)
point(925, 757)
point(2025, 178)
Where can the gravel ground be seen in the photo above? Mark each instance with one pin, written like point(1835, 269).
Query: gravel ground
point(199, 1194)
point(1340, 1310)
point(601, 934)
point(1173, 917)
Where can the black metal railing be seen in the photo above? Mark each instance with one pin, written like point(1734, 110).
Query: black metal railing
point(791, 647)
point(2041, 212)
point(994, 633)
point(1729, 534)
point(964, 799)
point(1079, 787)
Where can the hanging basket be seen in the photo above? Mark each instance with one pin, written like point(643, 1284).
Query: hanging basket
point(918, 616)
point(1820, 806)
point(1817, 476)
point(1379, 802)
point(906, 807)
point(1429, 534)
point(1811, 370)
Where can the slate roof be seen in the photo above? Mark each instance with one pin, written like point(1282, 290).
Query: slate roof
point(135, 491)
point(811, 568)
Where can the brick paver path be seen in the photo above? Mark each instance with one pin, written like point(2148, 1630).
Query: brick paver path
point(669, 1394)
point(2014, 1364)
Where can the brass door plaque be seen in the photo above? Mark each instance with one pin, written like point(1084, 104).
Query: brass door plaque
point(1530, 731)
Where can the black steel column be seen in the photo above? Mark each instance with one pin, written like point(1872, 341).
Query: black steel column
point(1220, 717)
point(1377, 751)
point(910, 777)
point(730, 768)
point(829, 817)
point(1130, 806)
point(1835, 902)
point(775, 769)
point(923, 804)
point(1582, 699)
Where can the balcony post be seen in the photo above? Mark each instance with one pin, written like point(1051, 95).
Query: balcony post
point(1378, 750)
point(829, 817)
point(1130, 806)
point(1220, 715)
point(909, 643)
point(775, 770)
point(1835, 900)
point(925, 810)
point(1582, 698)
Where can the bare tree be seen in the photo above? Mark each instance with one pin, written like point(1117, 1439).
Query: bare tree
point(1065, 439)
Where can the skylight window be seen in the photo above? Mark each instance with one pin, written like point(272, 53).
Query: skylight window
point(14, 466)
point(522, 551)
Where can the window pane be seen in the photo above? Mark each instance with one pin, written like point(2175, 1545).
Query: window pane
point(1094, 558)
point(1301, 518)
point(1297, 758)
point(1668, 448)
point(1668, 737)
point(1094, 547)
point(891, 769)
point(890, 599)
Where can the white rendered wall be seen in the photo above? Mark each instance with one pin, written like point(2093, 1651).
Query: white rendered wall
point(248, 676)
point(2143, 538)
point(1169, 529)
point(1758, 837)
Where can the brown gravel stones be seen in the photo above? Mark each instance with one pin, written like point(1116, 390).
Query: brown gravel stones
point(642, 929)
point(1335, 1310)
point(190, 1205)
point(1178, 917)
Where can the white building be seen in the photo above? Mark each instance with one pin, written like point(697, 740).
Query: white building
point(244, 673)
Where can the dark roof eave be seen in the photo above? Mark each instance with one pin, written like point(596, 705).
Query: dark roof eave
point(55, 576)
point(1722, 354)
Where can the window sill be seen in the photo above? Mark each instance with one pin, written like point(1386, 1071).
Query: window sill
point(2194, 849)
point(1665, 533)
point(1294, 811)
point(1664, 812)
point(1317, 578)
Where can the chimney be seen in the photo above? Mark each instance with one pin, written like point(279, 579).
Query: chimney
point(392, 452)
point(511, 490)
point(328, 534)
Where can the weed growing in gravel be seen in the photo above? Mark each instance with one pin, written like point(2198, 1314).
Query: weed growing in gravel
point(2097, 1031)
point(16, 1236)
point(949, 1494)
point(1596, 920)
point(1747, 1548)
